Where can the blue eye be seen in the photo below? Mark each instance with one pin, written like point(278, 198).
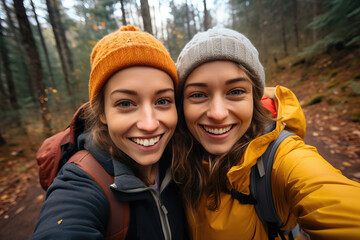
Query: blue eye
point(125, 104)
point(236, 92)
point(197, 95)
point(163, 102)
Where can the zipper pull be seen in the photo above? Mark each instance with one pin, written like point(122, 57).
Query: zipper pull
point(163, 207)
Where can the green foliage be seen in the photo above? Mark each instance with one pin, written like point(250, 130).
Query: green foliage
point(341, 21)
point(333, 83)
point(355, 116)
point(314, 100)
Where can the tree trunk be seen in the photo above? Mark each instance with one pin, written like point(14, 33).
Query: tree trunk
point(154, 21)
point(33, 59)
point(62, 35)
point(145, 13)
point(59, 45)
point(21, 52)
point(283, 30)
point(206, 17)
point(2, 140)
point(43, 44)
point(296, 24)
point(188, 21)
point(8, 73)
point(123, 13)
point(161, 24)
point(260, 13)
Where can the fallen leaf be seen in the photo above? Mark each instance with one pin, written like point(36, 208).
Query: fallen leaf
point(19, 210)
point(40, 198)
point(347, 164)
point(60, 221)
point(333, 128)
point(357, 175)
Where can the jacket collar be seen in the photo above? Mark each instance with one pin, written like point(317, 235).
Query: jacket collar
point(290, 115)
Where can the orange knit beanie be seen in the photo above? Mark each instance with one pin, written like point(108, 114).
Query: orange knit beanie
point(125, 48)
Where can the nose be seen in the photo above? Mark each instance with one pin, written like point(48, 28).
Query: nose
point(217, 109)
point(147, 119)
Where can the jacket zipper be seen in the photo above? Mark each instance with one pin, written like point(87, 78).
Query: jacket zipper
point(160, 206)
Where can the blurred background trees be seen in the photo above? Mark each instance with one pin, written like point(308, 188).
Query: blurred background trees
point(46, 44)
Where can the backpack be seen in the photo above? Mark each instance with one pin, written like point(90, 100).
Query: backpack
point(261, 192)
point(60, 149)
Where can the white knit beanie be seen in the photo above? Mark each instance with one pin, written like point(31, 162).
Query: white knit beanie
point(219, 44)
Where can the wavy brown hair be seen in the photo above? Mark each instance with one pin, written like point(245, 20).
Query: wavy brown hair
point(100, 134)
point(187, 167)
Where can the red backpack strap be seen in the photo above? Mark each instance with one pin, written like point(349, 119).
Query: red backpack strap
point(118, 223)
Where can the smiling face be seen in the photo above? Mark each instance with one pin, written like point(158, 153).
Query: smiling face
point(140, 112)
point(218, 105)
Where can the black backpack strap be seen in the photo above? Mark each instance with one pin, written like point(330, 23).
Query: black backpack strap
point(260, 187)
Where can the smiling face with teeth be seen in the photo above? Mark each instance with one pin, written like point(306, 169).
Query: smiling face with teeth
point(218, 105)
point(140, 112)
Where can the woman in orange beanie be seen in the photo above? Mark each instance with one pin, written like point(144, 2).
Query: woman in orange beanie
point(129, 123)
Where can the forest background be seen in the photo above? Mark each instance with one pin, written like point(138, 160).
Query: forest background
point(310, 46)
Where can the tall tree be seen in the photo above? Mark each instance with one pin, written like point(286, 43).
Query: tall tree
point(60, 44)
point(33, 59)
point(20, 51)
point(8, 74)
point(145, 13)
point(296, 24)
point(206, 17)
point(283, 28)
point(43, 44)
point(2, 140)
point(123, 16)
point(187, 21)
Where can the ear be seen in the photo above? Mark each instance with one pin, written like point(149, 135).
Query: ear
point(103, 118)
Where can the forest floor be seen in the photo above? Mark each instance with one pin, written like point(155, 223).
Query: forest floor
point(332, 127)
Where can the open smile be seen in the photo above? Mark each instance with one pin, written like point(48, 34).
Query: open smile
point(146, 142)
point(217, 130)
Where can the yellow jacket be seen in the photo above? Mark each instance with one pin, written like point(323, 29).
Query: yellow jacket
point(305, 188)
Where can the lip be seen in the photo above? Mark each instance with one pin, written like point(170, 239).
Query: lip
point(147, 148)
point(219, 136)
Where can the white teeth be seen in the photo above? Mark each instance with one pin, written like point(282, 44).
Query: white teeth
point(217, 131)
point(146, 142)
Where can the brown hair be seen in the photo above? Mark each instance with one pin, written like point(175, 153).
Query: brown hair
point(187, 167)
point(100, 134)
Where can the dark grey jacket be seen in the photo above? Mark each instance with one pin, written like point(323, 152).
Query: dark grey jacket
point(77, 208)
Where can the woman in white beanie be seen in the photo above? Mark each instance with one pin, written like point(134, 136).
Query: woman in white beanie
point(224, 130)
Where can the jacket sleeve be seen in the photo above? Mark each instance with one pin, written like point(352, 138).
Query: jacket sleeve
point(325, 203)
point(75, 208)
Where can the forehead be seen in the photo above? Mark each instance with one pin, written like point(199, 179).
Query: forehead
point(217, 72)
point(140, 79)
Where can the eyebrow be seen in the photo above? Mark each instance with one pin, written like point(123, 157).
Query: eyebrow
point(228, 82)
point(240, 79)
point(134, 93)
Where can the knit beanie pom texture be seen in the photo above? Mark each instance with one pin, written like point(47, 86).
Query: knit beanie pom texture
point(125, 48)
point(219, 44)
